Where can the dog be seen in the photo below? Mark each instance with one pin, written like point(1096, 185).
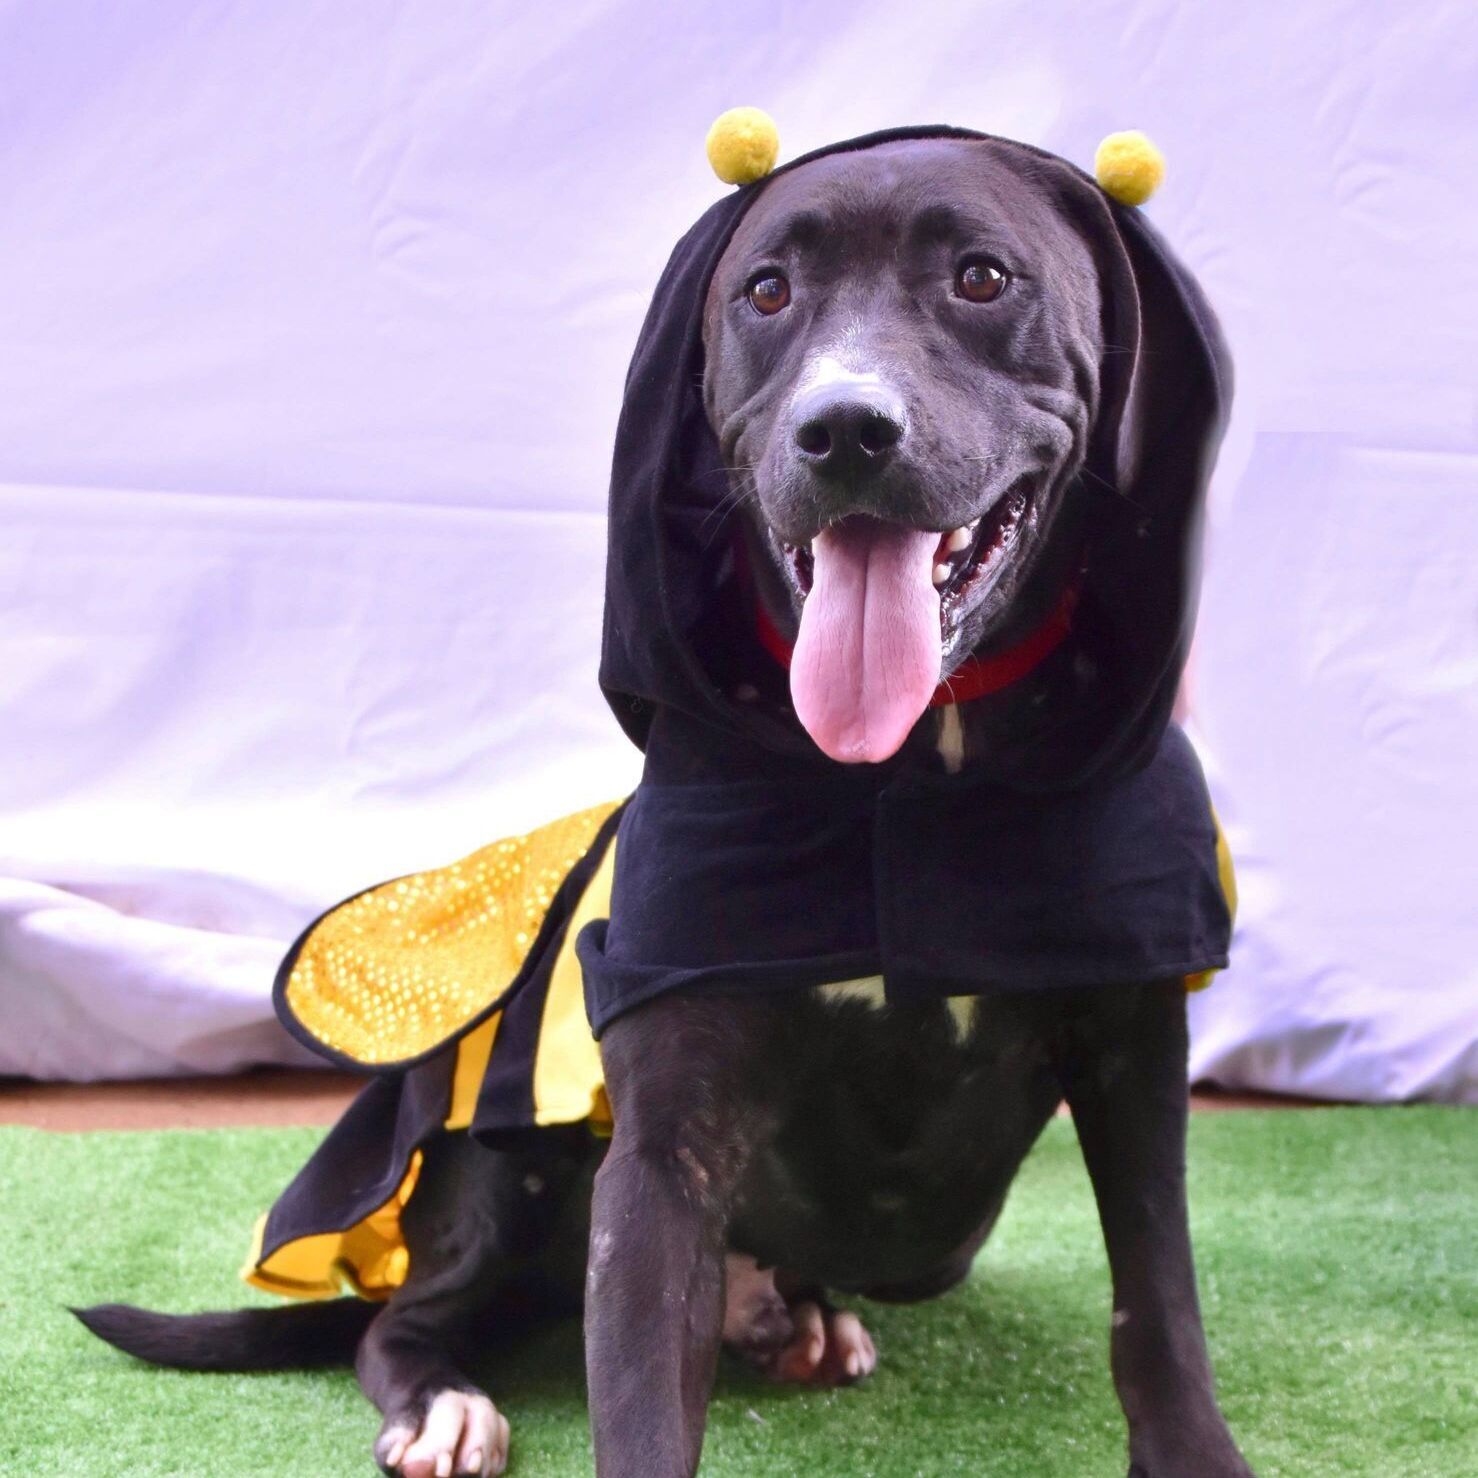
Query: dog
point(918, 363)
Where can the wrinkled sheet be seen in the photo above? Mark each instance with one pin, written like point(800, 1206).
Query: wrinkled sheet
point(312, 335)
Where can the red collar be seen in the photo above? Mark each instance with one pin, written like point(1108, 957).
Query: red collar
point(975, 676)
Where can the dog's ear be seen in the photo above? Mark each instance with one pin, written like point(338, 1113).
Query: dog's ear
point(1164, 392)
point(1166, 380)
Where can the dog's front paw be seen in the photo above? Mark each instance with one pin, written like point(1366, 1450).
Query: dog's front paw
point(454, 1433)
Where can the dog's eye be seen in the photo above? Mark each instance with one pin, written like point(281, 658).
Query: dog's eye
point(980, 281)
point(769, 293)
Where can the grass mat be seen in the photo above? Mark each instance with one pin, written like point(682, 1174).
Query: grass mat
point(1338, 1260)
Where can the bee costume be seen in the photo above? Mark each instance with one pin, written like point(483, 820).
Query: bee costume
point(746, 860)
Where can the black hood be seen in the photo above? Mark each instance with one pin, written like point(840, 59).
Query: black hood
point(1164, 392)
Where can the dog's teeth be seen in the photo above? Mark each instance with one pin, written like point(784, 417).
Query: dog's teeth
point(958, 540)
point(942, 573)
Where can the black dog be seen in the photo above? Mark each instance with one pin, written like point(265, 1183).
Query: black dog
point(939, 370)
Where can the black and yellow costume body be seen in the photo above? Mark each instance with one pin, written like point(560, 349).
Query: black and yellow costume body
point(462, 988)
point(747, 861)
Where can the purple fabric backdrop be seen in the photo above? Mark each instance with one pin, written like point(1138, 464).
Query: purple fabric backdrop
point(314, 322)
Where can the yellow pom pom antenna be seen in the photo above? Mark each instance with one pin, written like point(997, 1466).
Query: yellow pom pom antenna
point(1129, 167)
point(743, 145)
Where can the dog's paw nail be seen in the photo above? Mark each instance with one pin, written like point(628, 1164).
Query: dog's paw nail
point(854, 1365)
point(443, 1465)
point(390, 1449)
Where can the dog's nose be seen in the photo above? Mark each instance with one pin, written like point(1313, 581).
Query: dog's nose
point(848, 433)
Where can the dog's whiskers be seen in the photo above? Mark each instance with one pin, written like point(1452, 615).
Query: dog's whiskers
point(1086, 471)
point(725, 505)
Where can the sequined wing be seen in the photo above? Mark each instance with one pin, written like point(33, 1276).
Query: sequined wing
point(395, 972)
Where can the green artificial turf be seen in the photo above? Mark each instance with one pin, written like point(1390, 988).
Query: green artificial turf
point(1338, 1255)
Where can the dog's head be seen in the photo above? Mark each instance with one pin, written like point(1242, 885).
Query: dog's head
point(949, 380)
point(902, 370)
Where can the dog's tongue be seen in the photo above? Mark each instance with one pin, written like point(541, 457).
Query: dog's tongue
point(867, 659)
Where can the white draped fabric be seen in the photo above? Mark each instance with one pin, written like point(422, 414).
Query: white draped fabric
point(312, 334)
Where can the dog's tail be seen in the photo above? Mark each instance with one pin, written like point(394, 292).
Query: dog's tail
point(291, 1337)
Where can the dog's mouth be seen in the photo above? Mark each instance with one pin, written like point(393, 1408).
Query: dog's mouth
point(881, 606)
point(967, 560)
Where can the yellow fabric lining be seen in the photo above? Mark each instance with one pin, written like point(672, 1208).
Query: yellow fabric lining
point(368, 1259)
point(568, 1081)
point(473, 1052)
point(1227, 875)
